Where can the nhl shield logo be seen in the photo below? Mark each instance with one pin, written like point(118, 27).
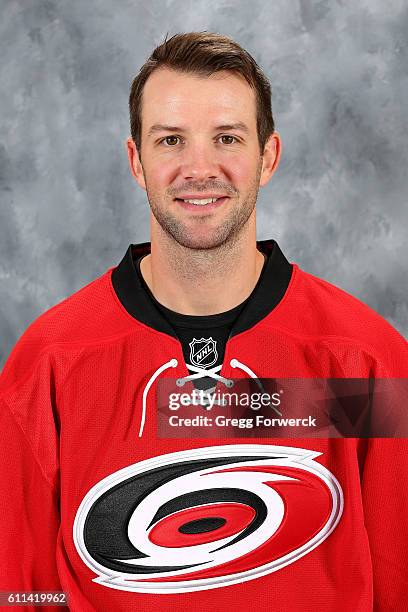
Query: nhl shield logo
point(203, 352)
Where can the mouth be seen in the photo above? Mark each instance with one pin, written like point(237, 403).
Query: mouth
point(197, 203)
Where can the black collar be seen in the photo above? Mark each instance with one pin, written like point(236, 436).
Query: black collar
point(268, 292)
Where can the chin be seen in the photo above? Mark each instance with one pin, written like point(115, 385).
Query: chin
point(203, 242)
point(199, 245)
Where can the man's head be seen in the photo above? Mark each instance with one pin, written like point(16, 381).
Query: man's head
point(202, 126)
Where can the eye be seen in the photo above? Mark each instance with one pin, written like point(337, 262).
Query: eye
point(171, 141)
point(228, 136)
point(166, 140)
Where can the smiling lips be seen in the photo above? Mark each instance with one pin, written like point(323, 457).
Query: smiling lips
point(202, 200)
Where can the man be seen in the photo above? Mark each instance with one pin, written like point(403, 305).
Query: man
point(124, 502)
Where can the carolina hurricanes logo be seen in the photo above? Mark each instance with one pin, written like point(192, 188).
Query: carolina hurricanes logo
point(206, 518)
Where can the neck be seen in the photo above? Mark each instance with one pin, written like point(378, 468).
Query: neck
point(206, 281)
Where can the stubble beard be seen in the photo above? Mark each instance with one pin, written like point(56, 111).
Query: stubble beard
point(226, 233)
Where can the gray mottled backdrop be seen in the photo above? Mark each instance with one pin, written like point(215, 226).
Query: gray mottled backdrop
point(69, 207)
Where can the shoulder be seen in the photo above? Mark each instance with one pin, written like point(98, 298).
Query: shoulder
point(320, 309)
point(91, 314)
point(82, 316)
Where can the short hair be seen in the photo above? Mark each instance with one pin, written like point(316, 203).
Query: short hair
point(204, 53)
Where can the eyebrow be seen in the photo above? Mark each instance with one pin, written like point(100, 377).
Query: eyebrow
point(160, 127)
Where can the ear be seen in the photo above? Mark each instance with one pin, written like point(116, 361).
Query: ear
point(135, 163)
point(270, 158)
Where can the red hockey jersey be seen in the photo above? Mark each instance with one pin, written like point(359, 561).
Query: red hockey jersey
point(97, 504)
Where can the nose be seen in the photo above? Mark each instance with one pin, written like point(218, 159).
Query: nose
point(199, 162)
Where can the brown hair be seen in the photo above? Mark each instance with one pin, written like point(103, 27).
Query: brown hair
point(204, 53)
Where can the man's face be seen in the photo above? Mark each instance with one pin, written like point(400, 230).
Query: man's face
point(199, 141)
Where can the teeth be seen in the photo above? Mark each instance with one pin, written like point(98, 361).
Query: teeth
point(201, 202)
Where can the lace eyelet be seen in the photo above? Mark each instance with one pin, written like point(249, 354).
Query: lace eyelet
point(180, 382)
point(229, 383)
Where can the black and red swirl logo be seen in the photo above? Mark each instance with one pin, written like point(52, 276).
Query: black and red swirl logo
point(206, 518)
